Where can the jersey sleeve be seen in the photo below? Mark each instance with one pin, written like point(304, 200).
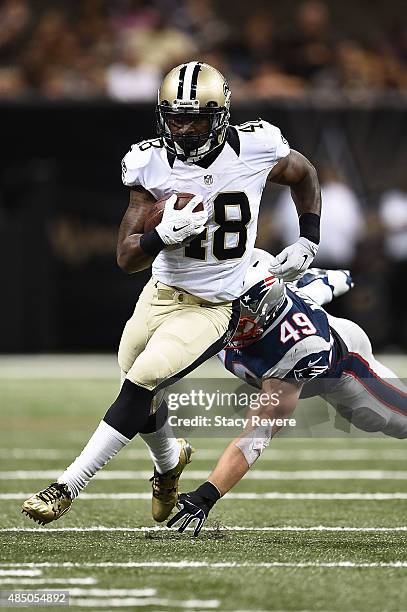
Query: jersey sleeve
point(263, 144)
point(310, 367)
point(304, 361)
point(276, 145)
point(134, 166)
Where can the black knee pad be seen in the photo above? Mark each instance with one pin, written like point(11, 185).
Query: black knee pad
point(157, 420)
point(362, 417)
point(367, 420)
point(130, 412)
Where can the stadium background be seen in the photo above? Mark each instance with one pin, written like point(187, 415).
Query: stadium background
point(77, 87)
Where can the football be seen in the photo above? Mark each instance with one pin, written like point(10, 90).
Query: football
point(157, 209)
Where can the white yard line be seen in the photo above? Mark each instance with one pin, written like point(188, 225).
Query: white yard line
point(113, 592)
point(105, 366)
point(87, 366)
point(58, 366)
point(119, 602)
point(47, 581)
point(199, 475)
point(185, 564)
point(232, 496)
point(21, 572)
point(345, 454)
point(104, 529)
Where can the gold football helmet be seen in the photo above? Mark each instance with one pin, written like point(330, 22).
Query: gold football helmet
point(193, 92)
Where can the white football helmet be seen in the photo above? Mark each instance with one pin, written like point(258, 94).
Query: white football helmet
point(197, 90)
point(263, 296)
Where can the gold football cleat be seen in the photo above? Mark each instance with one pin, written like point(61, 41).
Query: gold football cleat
point(49, 504)
point(165, 486)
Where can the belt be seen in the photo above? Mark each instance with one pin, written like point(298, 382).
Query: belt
point(182, 297)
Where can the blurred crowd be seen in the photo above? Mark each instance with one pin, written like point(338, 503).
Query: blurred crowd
point(59, 49)
point(371, 241)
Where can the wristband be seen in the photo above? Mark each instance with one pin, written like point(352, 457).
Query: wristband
point(309, 226)
point(209, 492)
point(152, 243)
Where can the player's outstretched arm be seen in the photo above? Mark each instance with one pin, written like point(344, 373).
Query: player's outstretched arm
point(130, 255)
point(242, 453)
point(239, 456)
point(300, 175)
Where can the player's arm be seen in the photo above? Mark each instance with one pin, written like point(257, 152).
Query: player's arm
point(240, 455)
point(247, 448)
point(137, 249)
point(299, 174)
point(130, 256)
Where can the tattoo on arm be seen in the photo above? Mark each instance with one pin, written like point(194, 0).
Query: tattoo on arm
point(130, 256)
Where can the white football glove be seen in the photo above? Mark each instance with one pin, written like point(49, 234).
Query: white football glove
point(177, 225)
point(293, 261)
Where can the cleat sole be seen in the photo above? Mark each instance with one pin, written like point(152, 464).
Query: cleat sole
point(33, 518)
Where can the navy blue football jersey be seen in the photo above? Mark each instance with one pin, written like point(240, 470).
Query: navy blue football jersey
point(298, 345)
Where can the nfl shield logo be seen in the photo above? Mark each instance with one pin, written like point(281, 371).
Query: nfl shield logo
point(208, 179)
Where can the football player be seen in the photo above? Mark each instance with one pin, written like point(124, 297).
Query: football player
point(288, 346)
point(190, 308)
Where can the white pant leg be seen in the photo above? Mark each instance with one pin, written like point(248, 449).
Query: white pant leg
point(368, 393)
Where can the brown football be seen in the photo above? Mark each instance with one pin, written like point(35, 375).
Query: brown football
point(157, 209)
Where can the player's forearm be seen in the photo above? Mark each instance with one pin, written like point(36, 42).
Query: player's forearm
point(307, 198)
point(306, 192)
point(231, 468)
point(244, 450)
point(131, 257)
point(297, 172)
point(130, 254)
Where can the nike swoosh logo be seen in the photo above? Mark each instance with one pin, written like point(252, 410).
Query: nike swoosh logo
point(177, 229)
point(304, 262)
point(312, 363)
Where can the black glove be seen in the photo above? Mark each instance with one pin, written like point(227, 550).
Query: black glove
point(195, 506)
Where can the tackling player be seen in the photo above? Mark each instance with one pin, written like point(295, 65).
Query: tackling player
point(284, 345)
point(189, 310)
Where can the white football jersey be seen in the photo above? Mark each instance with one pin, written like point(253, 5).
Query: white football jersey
point(213, 265)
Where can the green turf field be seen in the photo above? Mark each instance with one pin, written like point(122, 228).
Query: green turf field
point(330, 535)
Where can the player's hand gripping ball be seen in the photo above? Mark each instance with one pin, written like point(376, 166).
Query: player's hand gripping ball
point(177, 218)
point(157, 209)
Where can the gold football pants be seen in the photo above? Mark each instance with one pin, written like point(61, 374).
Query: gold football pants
point(172, 332)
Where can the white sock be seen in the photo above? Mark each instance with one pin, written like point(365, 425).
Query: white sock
point(164, 448)
point(102, 446)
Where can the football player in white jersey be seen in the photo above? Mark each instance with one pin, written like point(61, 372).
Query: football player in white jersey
point(287, 345)
point(189, 309)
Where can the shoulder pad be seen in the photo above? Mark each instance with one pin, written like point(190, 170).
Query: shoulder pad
point(137, 159)
point(310, 353)
point(310, 367)
point(262, 144)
